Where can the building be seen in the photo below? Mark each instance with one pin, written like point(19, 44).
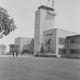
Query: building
point(48, 39)
point(73, 46)
point(54, 41)
point(26, 45)
point(44, 20)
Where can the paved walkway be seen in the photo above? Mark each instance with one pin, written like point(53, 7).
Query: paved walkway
point(15, 56)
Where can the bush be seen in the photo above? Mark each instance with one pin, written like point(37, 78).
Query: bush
point(36, 55)
point(45, 55)
point(51, 55)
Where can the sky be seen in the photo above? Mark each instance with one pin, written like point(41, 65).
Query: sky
point(23, 13)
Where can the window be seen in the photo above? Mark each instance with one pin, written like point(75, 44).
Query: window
point(75, 40)
point(62, 41)
point(71, 51)
point(72, 40)
point(62, 51)
point(48, 34)
point(74, 51)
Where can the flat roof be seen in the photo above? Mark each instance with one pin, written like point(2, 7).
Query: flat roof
point(46, 7)
point(61, 29)
point(73, 36)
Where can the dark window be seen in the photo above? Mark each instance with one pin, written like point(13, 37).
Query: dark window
point(75, 40)
point(74, 51)
point(62, 41)
point(48, 34)
point(72, 40)
point(71, 51)
point(61, 51)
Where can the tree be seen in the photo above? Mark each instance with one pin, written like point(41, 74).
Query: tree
point(6, 23)
point(2, 48)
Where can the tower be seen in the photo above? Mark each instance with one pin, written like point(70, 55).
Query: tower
point(44, 20)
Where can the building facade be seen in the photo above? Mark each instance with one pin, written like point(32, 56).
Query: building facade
point(44, 20)
point(73, 46)
point(48, 39)
point(55, 41)
point(26, 45)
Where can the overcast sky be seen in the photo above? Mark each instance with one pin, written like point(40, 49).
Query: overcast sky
point(23, 13)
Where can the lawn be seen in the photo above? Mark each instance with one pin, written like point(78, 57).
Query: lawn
point(31, 68)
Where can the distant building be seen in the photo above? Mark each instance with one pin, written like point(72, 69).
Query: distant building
point(73, 46)
point(54, 41)
point(26, 45)
point(44, 20)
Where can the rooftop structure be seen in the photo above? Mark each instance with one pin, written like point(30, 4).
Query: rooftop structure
point(45, 7)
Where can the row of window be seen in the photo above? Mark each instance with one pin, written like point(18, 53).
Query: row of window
point(72, 41)
point(75, 40)
point(74, 51)
point(62, 51)
point(62, 41)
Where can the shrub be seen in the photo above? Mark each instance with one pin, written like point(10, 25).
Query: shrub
point(45, 55)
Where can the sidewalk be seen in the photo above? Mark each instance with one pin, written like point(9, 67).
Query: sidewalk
point(15, 56)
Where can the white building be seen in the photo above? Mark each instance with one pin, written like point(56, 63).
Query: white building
point(55, 41)
point(25, 44)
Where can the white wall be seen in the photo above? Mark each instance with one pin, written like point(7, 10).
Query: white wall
point(23, 43)
point(43, 21)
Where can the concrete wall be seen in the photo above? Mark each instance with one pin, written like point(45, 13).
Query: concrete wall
point(44, 20)
point(37, 31)
point(18, 43)
point(24, 43)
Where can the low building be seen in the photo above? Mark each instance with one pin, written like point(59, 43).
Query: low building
point(26, 45)
point(54, 41)
point(73, 46)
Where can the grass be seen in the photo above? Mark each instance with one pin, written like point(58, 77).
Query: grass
point(31, 68)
